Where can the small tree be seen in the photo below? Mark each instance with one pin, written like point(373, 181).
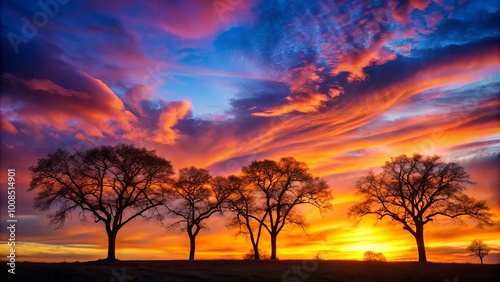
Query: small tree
point(414, 190)
point(195, 197)
point(372, 256)
point(318, 256)
point(114, 184)
point(478, 248)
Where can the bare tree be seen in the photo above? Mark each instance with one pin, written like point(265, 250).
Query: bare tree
point(478, 248)
point(282, 186)
point(372, 256)
point(248, 216)
point(414, 190)
point(112, 184)
point(194, 198)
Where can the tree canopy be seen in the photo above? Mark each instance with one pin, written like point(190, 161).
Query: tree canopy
point(112, 184)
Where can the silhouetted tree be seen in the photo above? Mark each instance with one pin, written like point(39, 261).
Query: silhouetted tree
point(282, 186)
point(372, 256)
point(478, 248)
point(248, 215)
point(114, 184)
point(194, 198)
point(414, 190)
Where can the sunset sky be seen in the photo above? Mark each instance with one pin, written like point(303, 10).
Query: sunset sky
point(340, 85)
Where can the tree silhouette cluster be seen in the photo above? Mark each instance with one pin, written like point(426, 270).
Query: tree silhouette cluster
point(268, 196)
point(112, 184)
point(116, 184)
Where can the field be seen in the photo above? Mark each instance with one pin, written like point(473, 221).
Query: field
point(233, 270)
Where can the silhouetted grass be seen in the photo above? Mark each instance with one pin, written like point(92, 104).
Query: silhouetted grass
point(235, 270)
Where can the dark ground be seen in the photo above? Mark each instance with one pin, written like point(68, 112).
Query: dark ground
point(234, 270)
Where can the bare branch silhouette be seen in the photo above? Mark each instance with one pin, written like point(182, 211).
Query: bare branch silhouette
point(413, 190)
point(114, 184)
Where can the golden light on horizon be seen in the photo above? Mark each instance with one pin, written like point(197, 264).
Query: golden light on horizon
point(343, 86)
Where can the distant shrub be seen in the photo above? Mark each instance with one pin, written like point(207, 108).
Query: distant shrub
point(318, 256)
point(372, 256)
point(262, 254)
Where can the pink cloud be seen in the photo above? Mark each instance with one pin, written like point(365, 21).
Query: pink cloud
point(100, 113)
point(401, 11)
point(335, 91)
point(420, 4)
point(81, 137)
point(199, 18)
point(356, 61)
point(432, 20)
point(7, 126)
point(137, 94)
point(351, 44)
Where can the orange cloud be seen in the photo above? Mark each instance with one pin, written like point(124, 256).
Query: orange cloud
point(401, 11)
point(356, 61)
point(107, 114)
point(310, 102)
point(215, 16)
point(49, 87)
point(169, 116)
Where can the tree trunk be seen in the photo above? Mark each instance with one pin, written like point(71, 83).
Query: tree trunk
point(192, 246)
point(481, 259)
point(111, 245)
point(256, 255)
point(419, 237)
point(273, 245)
